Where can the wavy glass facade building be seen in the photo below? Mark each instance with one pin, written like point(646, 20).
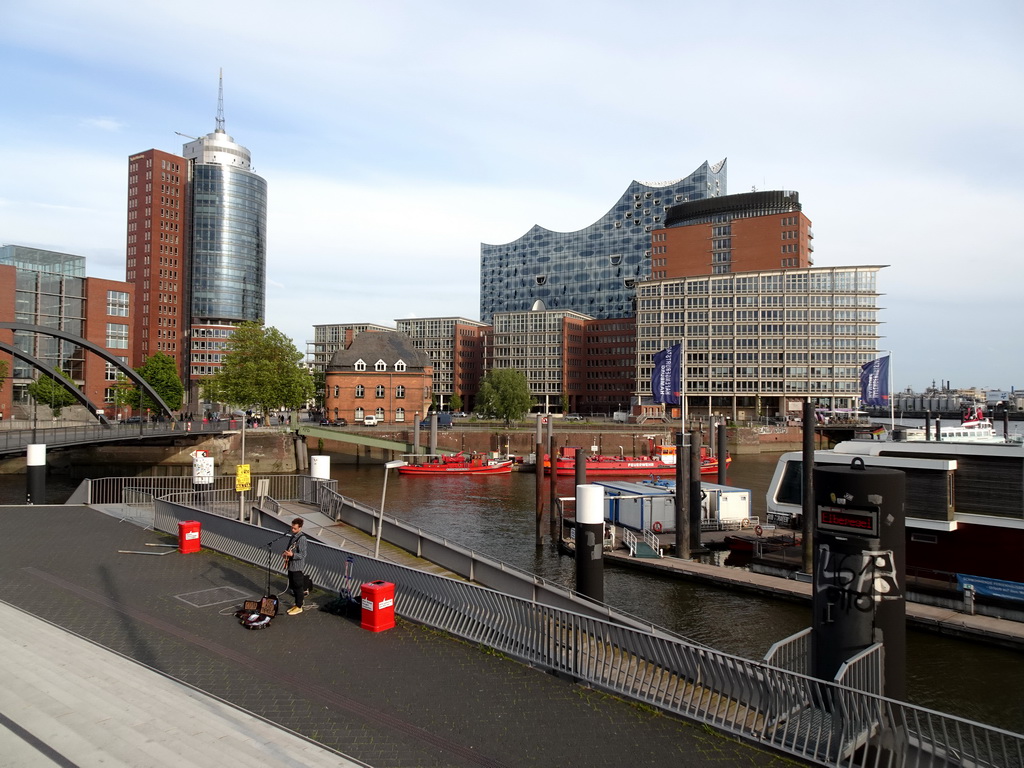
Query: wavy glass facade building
point(593, 270)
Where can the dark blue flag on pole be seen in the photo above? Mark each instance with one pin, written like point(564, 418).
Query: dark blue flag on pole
point(874, 382)
point(665, 379)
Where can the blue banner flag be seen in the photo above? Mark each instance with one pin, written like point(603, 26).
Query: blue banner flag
point(874, 382)
point(666, 377)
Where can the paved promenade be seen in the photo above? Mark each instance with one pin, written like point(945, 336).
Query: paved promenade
point(115, 659)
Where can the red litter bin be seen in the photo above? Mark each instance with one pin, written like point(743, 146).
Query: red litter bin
point(378, 599)
point(188, 536)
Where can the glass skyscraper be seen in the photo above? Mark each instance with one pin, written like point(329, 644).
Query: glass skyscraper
point(228, 256)
point(592, 270)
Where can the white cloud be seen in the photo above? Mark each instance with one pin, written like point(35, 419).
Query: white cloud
point(395, 138)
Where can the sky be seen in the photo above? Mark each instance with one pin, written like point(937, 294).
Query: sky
point(397, 137)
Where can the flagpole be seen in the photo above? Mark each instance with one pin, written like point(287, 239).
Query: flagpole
point(682, 392)
point(892, 400)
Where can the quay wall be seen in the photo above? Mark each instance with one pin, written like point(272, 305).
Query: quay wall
point(630, 440)
point(266, 451)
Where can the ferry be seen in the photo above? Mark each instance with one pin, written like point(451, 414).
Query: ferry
point(458, 464)
point(662, 461)
point(964, 501)
point(974, 427)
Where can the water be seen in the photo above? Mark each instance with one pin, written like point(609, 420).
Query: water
point(495, 515)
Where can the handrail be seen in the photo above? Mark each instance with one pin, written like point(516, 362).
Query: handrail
point(818, 721)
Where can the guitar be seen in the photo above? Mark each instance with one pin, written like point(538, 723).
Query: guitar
point(285, 555)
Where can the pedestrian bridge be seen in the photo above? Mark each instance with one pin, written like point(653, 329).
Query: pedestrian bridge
point(363, 438)
point(14, 441)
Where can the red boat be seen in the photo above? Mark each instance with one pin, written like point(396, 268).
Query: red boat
point(458, 464)
point(661, 462)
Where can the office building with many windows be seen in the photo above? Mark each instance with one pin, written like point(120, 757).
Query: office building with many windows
point(51, 289)
point(334, 337)
point(549, 347)
point(594, 270)
point(759, 344)
point(455, 347)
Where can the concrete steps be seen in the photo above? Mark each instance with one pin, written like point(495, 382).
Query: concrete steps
point(93, 707)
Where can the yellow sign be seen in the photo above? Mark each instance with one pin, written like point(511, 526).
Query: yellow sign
point(243, 480)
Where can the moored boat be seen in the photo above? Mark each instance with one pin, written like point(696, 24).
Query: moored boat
point(458, 464)
point(662, 461)
point(964, 501)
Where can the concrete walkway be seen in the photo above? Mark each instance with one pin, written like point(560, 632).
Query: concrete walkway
point(407, 697)
point(68, 702)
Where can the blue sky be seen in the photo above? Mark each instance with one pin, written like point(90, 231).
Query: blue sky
point(397, 137)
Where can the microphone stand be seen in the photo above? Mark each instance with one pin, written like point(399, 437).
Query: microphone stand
point(269, 554)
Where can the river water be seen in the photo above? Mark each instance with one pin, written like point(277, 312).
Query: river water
point(495, 515)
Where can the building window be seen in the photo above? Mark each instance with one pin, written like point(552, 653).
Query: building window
point(380, 391)
point(400, 392)
point(337, 390)
point(360, 365)
point(360, 391)
point(380, 365)
point(400, 366)
point(400, 414)
point(117, 336)
point(117, 303)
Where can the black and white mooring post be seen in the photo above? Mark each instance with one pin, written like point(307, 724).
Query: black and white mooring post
point(36, 474)
point(590, 541)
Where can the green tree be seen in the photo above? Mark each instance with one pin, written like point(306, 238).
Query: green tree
point(262, 369)
point(319, 388)
point(48, 391)
point(504, 394)
point(161, 373)
point(455, 402)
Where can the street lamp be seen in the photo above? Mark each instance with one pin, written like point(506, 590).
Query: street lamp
point(380, 520)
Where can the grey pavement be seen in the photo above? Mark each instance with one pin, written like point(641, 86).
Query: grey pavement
point(186, 684)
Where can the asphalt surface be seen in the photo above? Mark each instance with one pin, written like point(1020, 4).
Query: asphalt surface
point(409, 696)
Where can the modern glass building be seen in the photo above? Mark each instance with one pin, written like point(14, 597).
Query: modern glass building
point(228, 232)
point(592, 270)
point(49, 290)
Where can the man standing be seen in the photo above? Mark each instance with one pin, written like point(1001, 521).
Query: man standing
point(295, 559)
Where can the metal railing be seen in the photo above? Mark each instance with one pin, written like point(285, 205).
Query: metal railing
point(822, 722)
point(15, 440)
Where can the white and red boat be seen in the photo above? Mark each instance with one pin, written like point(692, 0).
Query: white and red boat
point(458, 464)
point(662, 461)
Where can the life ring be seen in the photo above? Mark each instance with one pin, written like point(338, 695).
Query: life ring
point(744, 523)
point(758, 530)
point(656, 527)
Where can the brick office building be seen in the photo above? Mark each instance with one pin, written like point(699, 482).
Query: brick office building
point(379, 374)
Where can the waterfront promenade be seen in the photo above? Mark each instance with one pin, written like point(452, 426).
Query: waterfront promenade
point(115, 657)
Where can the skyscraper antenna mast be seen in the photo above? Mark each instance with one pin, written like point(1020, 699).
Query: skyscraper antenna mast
point(220, 103)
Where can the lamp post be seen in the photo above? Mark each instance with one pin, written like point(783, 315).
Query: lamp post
point(380, 520)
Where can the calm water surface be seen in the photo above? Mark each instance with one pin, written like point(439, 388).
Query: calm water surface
point(495, 516)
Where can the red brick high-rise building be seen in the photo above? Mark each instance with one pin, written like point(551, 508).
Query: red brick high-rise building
point(157, 254)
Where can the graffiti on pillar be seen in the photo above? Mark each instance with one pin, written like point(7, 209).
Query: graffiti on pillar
point(856, 581)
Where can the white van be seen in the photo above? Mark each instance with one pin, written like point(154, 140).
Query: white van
point(369, 421)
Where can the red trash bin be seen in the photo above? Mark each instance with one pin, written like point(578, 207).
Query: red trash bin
point(188, 536)
point(378, 599)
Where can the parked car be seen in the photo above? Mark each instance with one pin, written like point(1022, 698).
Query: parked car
point(444, 421)
point(340, 423)
point(574, 417)
point(325, 422)
point(369, 421)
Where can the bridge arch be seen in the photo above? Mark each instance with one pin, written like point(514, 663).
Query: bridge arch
point(85, 344)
